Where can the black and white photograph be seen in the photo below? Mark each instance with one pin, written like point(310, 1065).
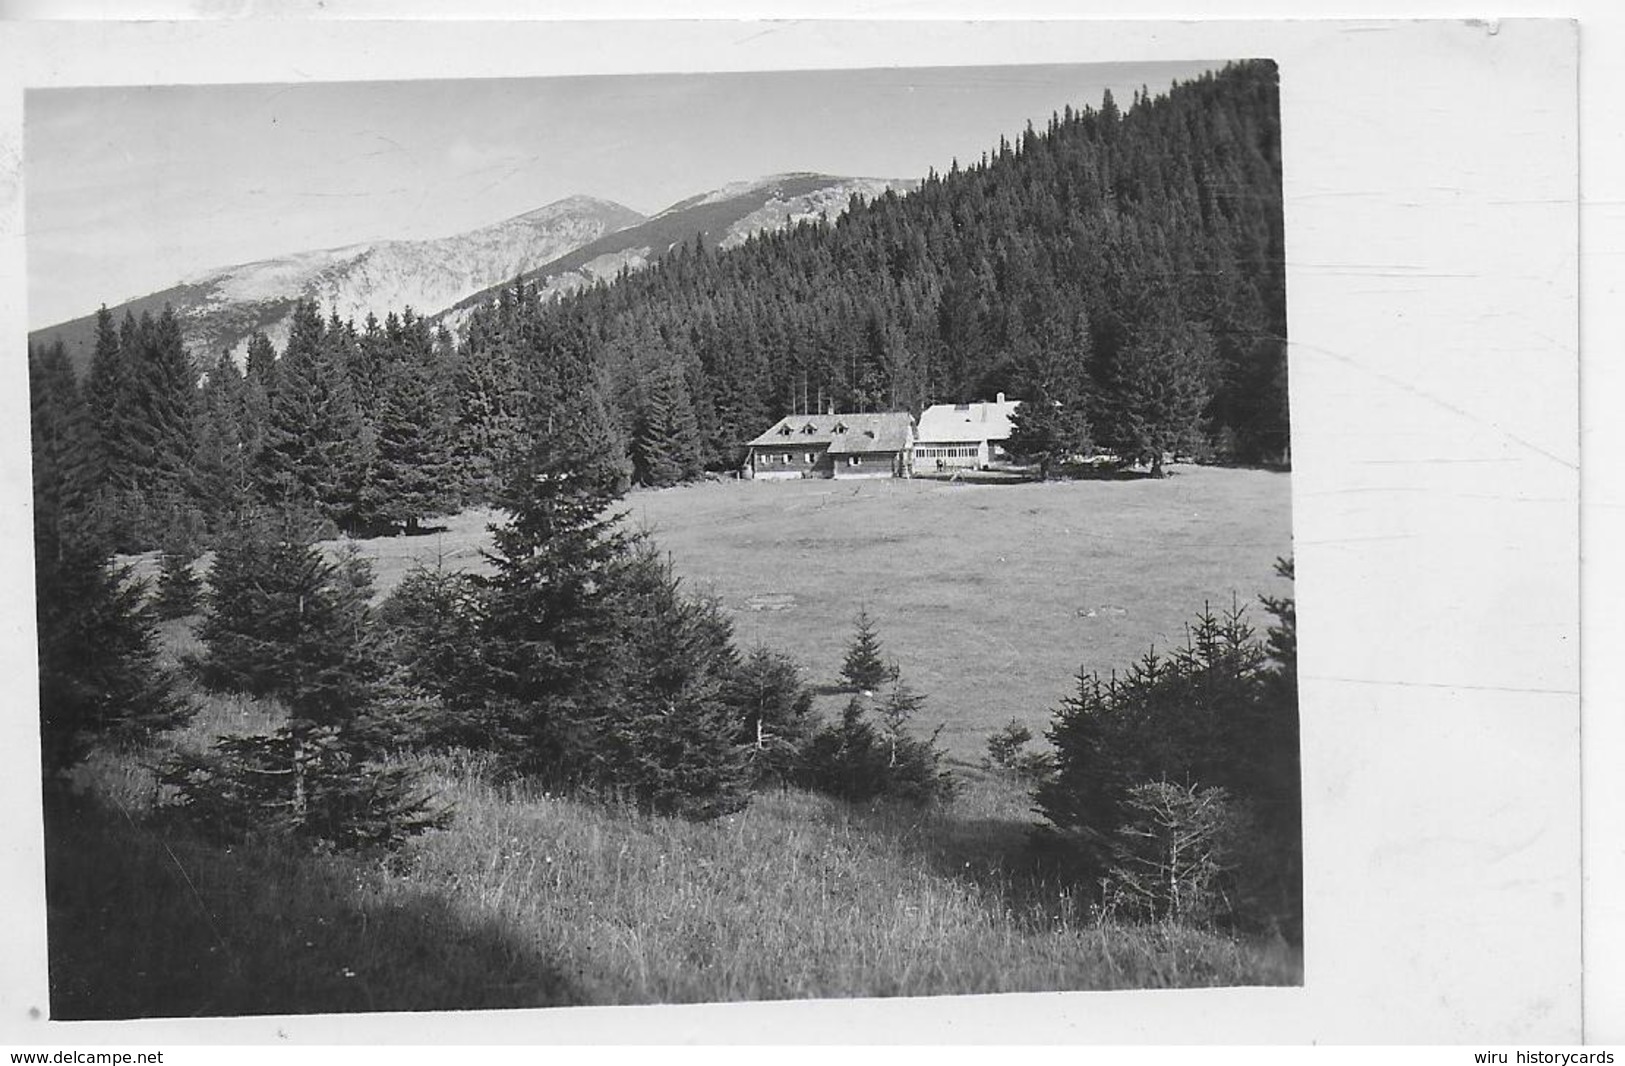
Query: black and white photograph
point(659, 552)
point(793, 532)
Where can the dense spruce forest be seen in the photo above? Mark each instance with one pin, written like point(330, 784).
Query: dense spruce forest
point(1101, 261)
point(1127, 266)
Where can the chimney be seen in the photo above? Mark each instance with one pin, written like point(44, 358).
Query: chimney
point(1001, 398)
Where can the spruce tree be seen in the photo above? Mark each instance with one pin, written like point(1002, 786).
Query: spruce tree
point(155, 433)
point(599, 673)
point(550, 623)
point(432, 636)
point(670, 740)
point(220, 457)
point(104, 387)
point(99, 674)
point(259, 370)
point(319, 784)
point(1219, 712)
point(140, 395)
point(863, 669)
point(667, 447)
point(774, 709)
point(414, 422)
point(1159, 388)
point(64, 456)
point(179, 591)
point(857, 761)
point(313, 459)
point(281, 620)
point(172, 391)
point(285, 622)
point(491, 405)
point(1042, 431)
point(98, 658)
point(1084, 798)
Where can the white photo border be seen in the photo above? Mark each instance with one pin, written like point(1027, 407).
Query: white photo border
point(1432, 244)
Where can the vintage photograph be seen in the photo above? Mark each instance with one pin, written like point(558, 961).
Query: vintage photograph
point(663, 538)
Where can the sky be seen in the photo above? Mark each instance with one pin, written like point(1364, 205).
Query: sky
point(131, 190)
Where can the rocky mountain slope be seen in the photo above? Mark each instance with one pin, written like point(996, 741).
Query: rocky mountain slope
point(562, 247)
point(222, 308)
point(722, 218)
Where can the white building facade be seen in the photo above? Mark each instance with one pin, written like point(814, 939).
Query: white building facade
point(965, 436)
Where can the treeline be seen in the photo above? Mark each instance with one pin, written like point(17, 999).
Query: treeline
point(344, 429)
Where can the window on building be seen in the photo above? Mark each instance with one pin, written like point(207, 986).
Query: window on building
point(853, 460)
point(810, 458)
point(785, 430)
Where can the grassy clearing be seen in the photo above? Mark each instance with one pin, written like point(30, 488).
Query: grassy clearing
point(990, 596)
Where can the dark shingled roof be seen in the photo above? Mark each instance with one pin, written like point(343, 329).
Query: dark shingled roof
point(889, 431)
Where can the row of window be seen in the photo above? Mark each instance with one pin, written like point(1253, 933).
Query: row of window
point(785, 459)
point(969, 451)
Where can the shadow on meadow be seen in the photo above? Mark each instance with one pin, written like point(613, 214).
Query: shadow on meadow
point(149, 922)
point(1033, 884)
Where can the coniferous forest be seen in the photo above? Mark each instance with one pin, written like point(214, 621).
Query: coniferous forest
point(1121, 269)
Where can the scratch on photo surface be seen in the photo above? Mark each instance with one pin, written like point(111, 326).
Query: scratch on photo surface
point(1442, 403)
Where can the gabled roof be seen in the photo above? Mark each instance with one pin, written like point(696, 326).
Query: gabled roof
point(848, 434)
point(967, 422)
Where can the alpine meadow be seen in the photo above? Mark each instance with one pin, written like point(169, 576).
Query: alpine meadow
point(826, 586)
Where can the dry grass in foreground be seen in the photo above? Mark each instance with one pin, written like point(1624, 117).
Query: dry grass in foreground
point(533, 900)
point(802, 896)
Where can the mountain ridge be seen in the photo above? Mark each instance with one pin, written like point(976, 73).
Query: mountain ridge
point(222, 307)
point(564, 246)
point(724, 217)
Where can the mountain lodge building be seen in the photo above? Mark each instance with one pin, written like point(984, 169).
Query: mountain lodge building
point(834, 446)
point(965, 436)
